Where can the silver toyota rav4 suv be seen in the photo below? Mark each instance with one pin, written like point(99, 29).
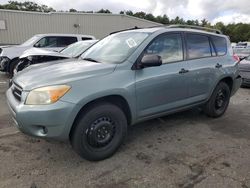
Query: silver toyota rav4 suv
point(127, 77)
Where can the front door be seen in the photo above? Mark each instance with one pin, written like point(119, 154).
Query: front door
point(159, 89)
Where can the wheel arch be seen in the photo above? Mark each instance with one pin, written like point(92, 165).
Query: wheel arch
point(229, 81)
point(118, 100)
point(11, 61)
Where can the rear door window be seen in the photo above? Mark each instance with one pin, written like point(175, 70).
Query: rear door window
point(220, 45)
point(52, 42)
point(46, 42)
point(198, 46)
point(86, 38)
point(65, 41)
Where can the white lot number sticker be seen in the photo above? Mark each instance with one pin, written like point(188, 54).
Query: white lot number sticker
point(131, 43)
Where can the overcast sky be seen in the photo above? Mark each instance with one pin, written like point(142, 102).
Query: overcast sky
point(227, 11)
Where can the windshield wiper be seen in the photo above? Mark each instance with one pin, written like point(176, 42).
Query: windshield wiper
point(90, 59)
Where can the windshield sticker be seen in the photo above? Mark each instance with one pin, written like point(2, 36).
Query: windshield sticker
point(131, 43)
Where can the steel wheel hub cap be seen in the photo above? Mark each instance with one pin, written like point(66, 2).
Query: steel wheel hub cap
point(100, 132)
point(220, 99)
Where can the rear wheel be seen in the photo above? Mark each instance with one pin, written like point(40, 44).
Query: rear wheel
point(99, 132)
point(218, 103)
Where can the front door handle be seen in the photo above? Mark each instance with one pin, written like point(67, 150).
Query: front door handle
point(218, 66)
point(183, 71)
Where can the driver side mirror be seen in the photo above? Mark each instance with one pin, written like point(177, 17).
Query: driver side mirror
point(150, 61)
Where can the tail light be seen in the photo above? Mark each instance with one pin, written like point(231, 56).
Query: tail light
point(236, 58)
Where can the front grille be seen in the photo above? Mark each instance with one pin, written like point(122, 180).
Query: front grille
point(17, 91)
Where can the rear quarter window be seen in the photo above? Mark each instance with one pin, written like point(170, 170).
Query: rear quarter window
point(220, 45)
point(86, 38)
point(65, 41)
point(198, 46)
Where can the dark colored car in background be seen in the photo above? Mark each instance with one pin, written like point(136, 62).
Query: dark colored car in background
point(244, 68)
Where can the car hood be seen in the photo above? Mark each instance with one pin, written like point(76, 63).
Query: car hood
point(7, 46)
point(60, 73)
point(41, 52)
point(13, 51)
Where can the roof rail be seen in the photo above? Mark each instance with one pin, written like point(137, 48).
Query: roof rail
point(124, 30)
point(195, 27)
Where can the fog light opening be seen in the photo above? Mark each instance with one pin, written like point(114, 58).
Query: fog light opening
point(43, 130)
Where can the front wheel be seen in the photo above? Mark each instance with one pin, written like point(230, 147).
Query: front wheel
point(99, 131)
point(12, 67)
point(218, 102)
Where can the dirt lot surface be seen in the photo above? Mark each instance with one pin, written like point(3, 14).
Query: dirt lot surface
point(5, 119)
point(183, 150)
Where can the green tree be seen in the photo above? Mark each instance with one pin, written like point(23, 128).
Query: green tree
point(129, 12)
point(26, 6)
point(204, 22)
point(150, 17)
point(72, 10)
point(106, 11)
point(140, 15)
point(190, 22)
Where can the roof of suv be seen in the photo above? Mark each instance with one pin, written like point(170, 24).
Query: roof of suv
point(64, 35)
point(169, 28)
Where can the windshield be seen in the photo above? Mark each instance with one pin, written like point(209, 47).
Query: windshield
point(76, 49)
point(115, 48)
point(30, 41)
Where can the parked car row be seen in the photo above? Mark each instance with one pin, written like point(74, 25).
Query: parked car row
point(9, 55)
point(125, 78)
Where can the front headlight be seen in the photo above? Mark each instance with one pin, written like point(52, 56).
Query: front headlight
point(46, 95)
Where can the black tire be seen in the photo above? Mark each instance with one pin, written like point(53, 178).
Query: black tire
point(88, 135)
point(218, 102)
point(12, 67)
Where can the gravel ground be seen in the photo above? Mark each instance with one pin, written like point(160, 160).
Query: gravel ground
point(5, 119)
point(183, 150)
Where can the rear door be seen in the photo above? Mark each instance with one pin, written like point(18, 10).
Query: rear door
point(159, 89)
point(205, 64)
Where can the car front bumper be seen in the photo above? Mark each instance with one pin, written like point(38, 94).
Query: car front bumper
point(48, 121)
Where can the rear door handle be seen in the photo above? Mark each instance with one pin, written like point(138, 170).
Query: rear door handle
point(183, 71)
point(218, 66)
